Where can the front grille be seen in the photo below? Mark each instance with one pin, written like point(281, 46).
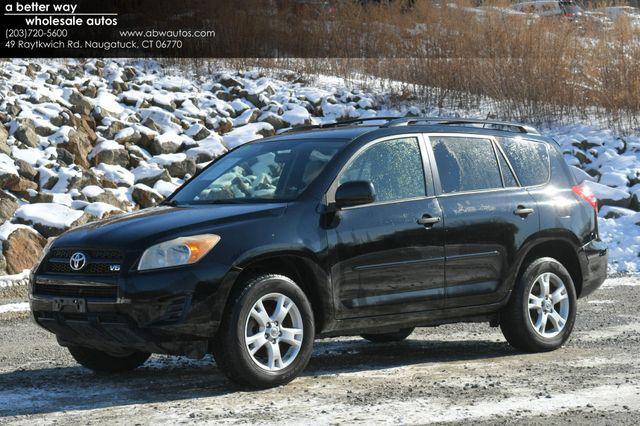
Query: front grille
point(99, 261)
point(107, 292)
point(104, 254)
point(55, 267)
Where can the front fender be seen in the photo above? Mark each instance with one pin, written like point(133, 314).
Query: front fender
point(316, 281)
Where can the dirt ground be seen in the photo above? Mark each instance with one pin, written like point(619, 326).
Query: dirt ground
point(454, 373)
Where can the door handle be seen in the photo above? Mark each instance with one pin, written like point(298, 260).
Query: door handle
point(428, 221)
point(522, 211)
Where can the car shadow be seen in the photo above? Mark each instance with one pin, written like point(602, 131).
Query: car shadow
point(53, 389)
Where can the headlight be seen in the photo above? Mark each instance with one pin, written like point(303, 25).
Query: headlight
point(181, 251)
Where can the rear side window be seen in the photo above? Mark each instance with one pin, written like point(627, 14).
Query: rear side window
point(466, 164)
point(393, 166)
point(530, 160)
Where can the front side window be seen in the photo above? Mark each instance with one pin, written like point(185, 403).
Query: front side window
point(465, 164)
point(393, 166)
point(260, 172)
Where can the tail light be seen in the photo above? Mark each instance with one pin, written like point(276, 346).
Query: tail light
point(586, 194)
point(569, 15)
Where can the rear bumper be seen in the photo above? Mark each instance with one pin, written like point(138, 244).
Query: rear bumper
point(594, 257)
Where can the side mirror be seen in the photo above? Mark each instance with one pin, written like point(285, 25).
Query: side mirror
point(355, 193)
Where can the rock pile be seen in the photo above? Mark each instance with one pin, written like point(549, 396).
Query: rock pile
point(80, 141)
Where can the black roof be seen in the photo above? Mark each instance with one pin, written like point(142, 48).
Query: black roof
point(346, 133)
point(349, 130)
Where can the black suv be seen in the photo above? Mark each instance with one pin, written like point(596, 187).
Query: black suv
point(356, 228)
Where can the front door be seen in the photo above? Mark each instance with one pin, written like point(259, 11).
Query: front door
point(388, 256)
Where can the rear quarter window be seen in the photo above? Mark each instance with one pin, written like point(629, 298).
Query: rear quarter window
point(529, 159)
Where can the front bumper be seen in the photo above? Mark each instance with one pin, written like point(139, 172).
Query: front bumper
point(594, 258)
point(173, 312)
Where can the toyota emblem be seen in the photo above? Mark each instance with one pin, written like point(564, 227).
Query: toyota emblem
point(77, 261)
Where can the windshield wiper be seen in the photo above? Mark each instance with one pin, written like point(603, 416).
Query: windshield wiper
point(228, 201)
point(237, 201)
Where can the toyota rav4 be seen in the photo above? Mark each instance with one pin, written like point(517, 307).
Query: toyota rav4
point(360, 228)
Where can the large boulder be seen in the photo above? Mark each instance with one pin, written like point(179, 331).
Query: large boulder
point(197, 132)
point(149, 174)
point(96, 194)
point(26, 134)
point(274, 119)
point(87, 125)
point(50, 219)
point(297, 116)
point(167, 143)
point(128, 135)
point(207, 149)
point(47, 178)
point(80, 146)
point(248, 116)
point(16, 183)
point(80, 104)
point(8, 207)
point(113, 129)
point(247, 133)
point(110, 152)
point(65, 157)
point(8, 171)
point(145, 196)
point(178, 165)
point(608, 196)
point(22, 249)
point(4, 135)
point(117, 175)
point(101, 210)
point(229, 81)
point(26, 170)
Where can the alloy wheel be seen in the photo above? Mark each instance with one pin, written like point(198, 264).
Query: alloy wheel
point(548, 305)
point(274, 331)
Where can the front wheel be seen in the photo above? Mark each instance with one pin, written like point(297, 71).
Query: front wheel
point(266, 337)
point(542, 310)
point(102, 362)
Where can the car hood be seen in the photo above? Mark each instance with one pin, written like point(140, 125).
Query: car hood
point(139, 229)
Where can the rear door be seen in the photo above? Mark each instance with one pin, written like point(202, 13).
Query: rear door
point(487, 216)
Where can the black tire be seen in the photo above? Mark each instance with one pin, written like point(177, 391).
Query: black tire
point(101, 362)
point(229, 348)
point(394, 336)
point(515, 322)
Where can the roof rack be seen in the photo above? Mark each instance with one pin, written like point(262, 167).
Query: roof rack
point(498, 125)
point(409, 121)
point(339, 123)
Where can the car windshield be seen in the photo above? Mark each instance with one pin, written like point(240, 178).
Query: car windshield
point(260, 172)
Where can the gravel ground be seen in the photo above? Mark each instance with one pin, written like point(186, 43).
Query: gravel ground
point(451, 373)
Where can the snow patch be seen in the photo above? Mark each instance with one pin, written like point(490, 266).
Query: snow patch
point(48, 214)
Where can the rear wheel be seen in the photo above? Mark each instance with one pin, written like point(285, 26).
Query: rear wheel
point(102, 362)
point(394, 336)
point(266, 337)
point(542, 309)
